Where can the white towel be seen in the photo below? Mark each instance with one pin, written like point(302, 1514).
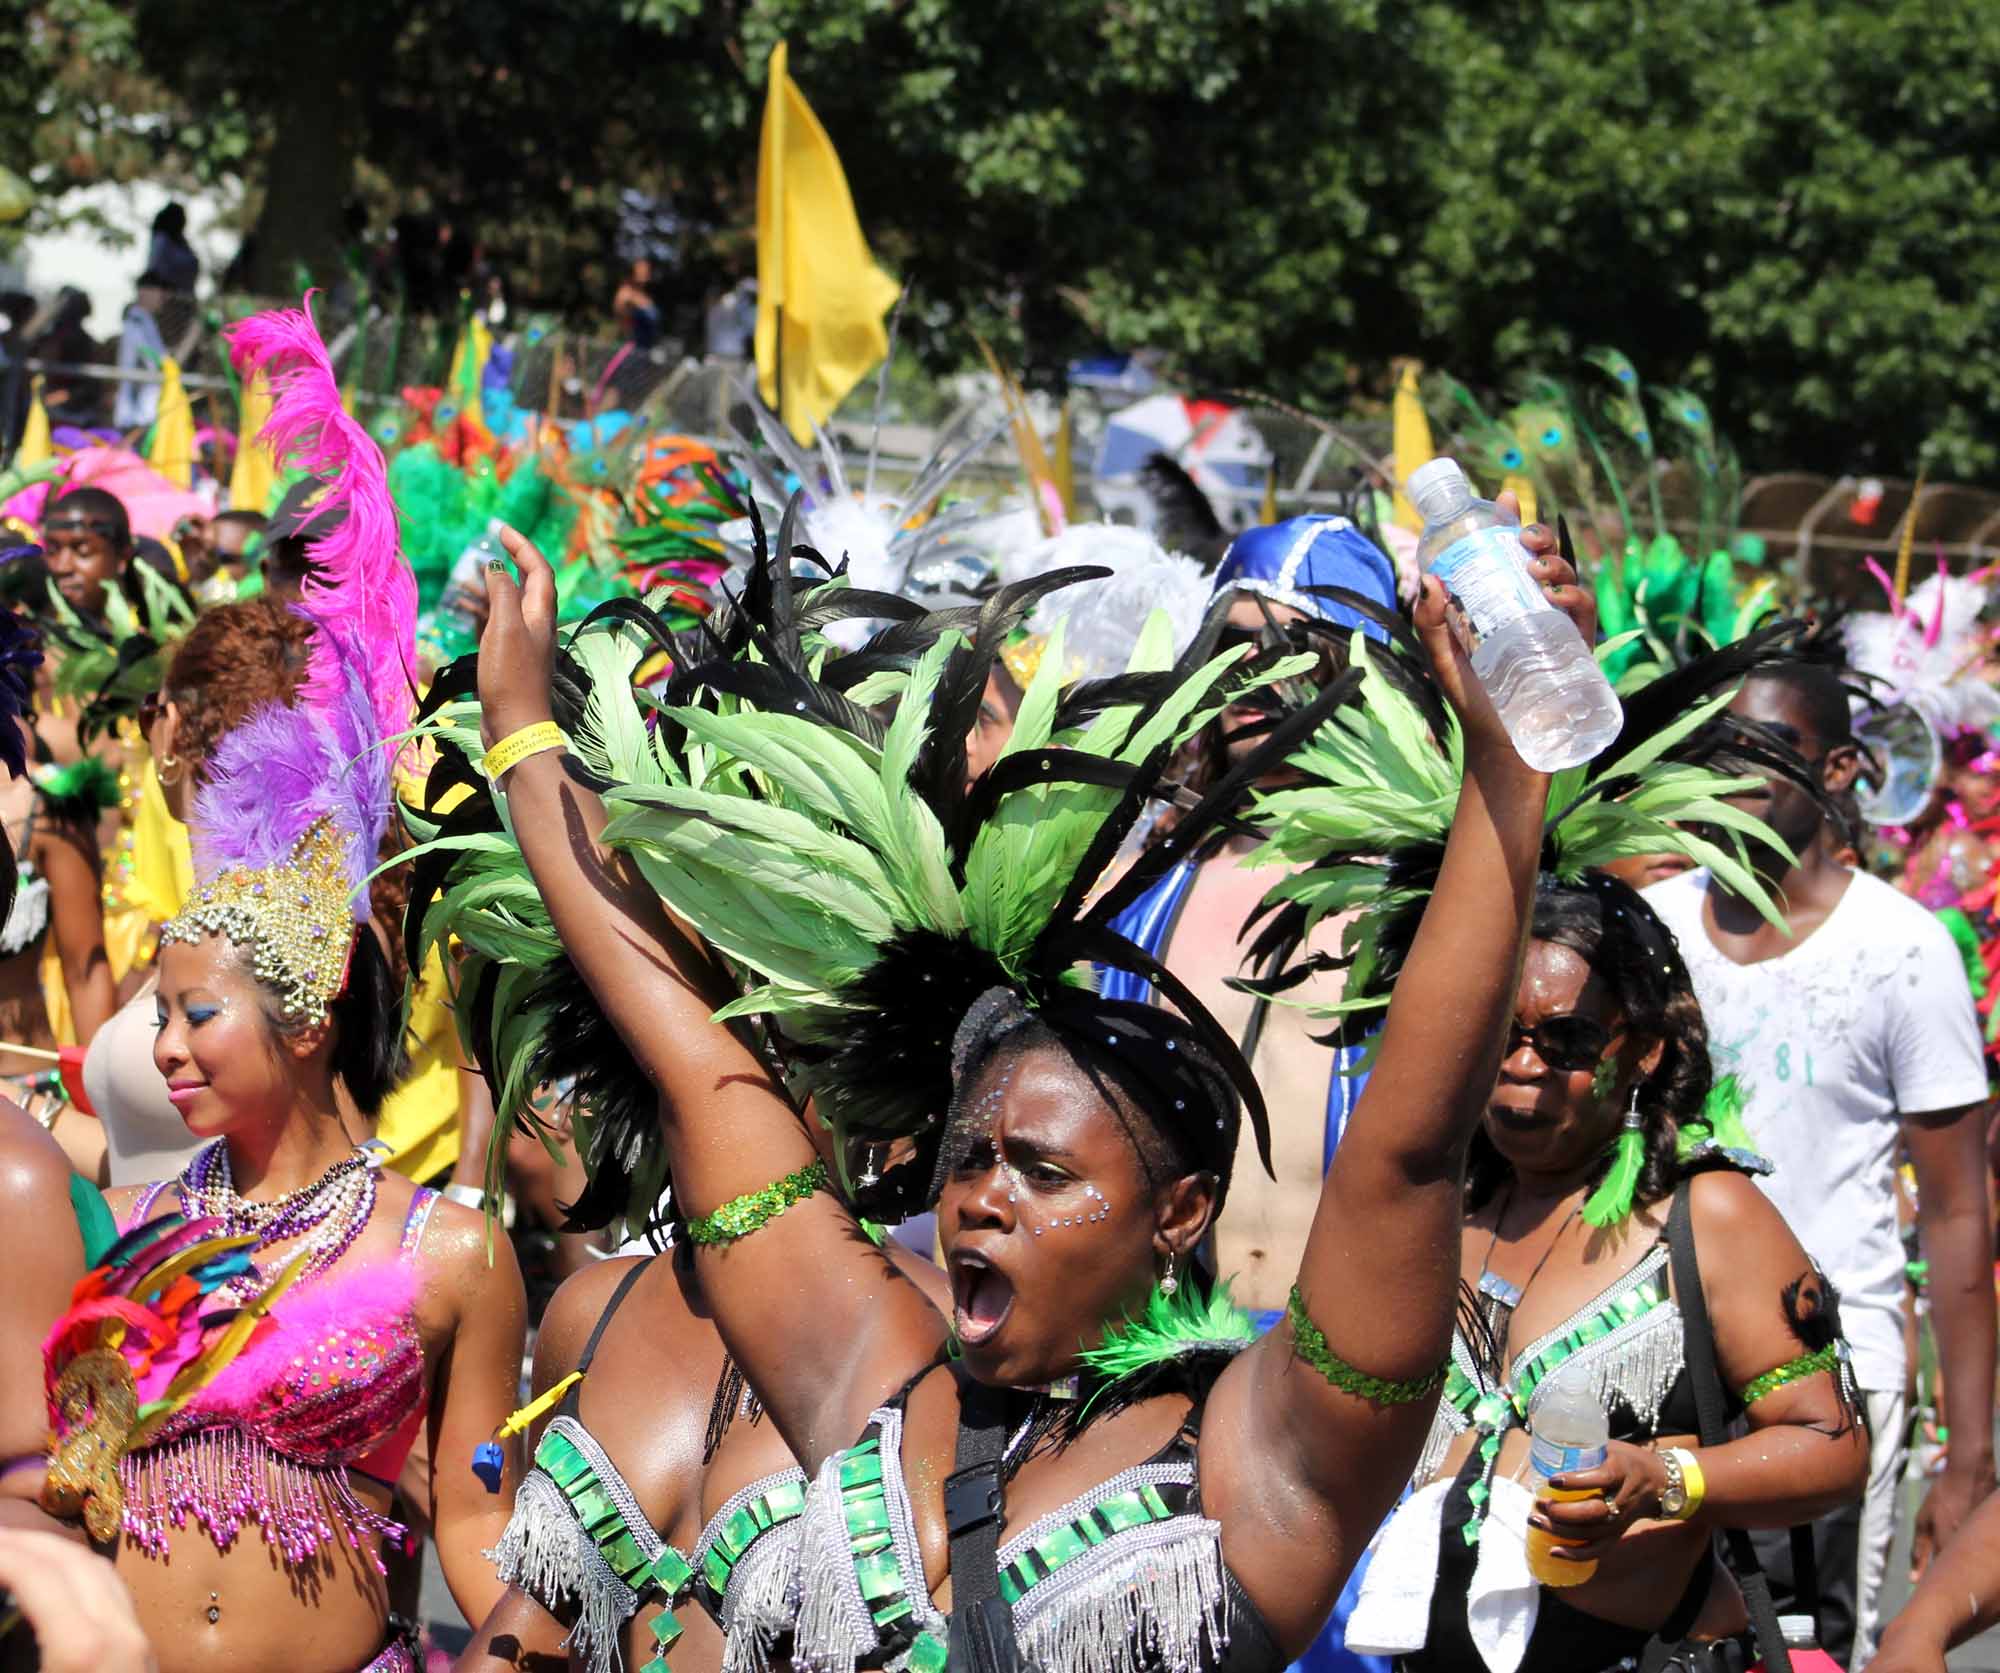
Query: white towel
point(1392, 1615)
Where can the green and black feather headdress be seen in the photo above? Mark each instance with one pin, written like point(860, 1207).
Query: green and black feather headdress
point(1364, 829)
point(808, 814)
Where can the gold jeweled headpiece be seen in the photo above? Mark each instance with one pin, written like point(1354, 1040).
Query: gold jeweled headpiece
point(297, 919)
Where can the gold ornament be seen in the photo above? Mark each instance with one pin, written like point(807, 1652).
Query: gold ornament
point(296, 919)
point(97, 1405)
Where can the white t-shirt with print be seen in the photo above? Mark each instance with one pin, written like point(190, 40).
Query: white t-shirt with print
point(1867, 1019)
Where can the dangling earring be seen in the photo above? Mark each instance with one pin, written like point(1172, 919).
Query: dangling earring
point(1170, 1284)
point(163, 765)
point(868, 1174)
point(1612, 1201)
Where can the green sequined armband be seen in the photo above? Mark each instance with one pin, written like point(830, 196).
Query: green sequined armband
point(1807, 1365)
point(755, 1210)
point(1309, 1343)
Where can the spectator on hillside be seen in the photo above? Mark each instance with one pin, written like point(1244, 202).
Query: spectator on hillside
point(170, 257)
point(141, 348)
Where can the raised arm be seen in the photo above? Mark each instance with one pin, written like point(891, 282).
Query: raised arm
point(819, 1321)
point(1378, 1283)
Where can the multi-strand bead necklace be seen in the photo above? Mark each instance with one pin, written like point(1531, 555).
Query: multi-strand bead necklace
point(324, 1218)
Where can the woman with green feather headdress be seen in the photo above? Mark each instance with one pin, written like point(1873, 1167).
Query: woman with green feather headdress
point(914, 948)
point(1601, 1135)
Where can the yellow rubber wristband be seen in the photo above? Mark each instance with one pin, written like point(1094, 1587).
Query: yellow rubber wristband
point(1692, 1479)
point(516, 747)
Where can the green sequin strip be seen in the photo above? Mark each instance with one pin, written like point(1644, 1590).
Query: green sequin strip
point(669, 1573)
point(1134, 1508)
point(1463, 1393)
point(1806, 1365)
point(1309, 1343)
point(755, 1210)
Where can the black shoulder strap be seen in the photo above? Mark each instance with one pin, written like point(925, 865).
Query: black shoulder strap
point(1698, 1347)
point(982, 1625)
point(632, 1276)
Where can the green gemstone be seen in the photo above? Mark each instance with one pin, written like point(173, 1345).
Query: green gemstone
point(878, 1575)
point(1122, 1511)
point(671, 1571)
point(1063, 1545)
point(927, 1655)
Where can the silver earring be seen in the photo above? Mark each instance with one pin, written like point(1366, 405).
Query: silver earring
point(1169, 1284)
point(1633, 1119)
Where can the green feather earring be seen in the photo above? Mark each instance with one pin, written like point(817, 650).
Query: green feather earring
point(1611, 1202)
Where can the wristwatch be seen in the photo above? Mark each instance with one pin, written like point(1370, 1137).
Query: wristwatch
point(1685, 1489)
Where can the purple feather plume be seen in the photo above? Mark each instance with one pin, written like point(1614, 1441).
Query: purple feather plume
point(285, 768)
point(360, 583)
point(20, 656)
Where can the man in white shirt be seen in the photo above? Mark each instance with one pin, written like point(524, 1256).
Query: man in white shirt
point(1850, 1033)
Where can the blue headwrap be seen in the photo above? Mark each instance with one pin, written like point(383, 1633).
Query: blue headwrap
point(1280, 560)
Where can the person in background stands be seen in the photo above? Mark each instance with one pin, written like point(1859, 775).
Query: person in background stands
point(1848, 1029)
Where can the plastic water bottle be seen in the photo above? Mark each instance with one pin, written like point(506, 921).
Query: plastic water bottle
point(1571, 1432)
point(1555, 702)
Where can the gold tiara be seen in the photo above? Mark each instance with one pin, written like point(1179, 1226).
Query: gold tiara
point(296, 919)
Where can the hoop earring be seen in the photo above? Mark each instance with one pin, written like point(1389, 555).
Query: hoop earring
point(167, 768)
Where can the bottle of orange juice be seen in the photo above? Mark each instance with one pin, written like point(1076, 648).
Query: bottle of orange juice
point(1570, 1433)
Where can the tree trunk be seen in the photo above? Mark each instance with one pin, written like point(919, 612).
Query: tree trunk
point(309, 175)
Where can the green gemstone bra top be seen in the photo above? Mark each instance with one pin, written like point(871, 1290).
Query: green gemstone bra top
point(1135, 1548)
point(1631, 1298)
point(604, 1508)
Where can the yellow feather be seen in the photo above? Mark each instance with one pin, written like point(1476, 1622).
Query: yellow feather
point(1411, 434)
point(1909, 539)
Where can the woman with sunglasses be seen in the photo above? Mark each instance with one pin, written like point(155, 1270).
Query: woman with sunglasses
point(1601, 1111)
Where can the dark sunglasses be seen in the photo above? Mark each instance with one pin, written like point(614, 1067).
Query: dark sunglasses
point(151, 707)
point(1568, 1043)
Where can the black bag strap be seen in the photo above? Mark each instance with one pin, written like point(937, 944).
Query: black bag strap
point(1705, 1375)
point(982, 1624)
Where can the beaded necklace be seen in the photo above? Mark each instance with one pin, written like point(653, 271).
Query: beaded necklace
point(325, 1217)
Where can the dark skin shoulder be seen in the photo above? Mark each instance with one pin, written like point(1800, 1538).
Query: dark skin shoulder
point(45, 1263)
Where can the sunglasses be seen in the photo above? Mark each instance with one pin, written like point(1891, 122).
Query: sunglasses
point(1568, 1043)
point(151, 707)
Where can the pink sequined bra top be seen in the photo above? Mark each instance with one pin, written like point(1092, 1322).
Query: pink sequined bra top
point(335, 1383)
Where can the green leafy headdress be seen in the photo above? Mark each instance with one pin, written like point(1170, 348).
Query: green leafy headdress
point(809, 814)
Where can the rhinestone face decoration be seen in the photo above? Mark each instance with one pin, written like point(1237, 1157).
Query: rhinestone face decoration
point(290, 918)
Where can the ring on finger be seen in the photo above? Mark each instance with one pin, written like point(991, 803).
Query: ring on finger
point(1613, 1510)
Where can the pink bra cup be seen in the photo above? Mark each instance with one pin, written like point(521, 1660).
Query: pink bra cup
point(336, 1381)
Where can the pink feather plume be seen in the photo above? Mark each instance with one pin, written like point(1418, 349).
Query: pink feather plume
point(361, 585)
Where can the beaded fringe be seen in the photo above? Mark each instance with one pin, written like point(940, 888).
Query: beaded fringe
point(225, 1478)
point(546, 1552)
point(835, 1629)
point(1153, 1605)
point(762, 1602)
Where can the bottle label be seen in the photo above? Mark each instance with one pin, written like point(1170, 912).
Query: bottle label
point(1487, 576)
point(1552, 1458)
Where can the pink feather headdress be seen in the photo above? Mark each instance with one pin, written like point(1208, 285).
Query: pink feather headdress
point(361, 590)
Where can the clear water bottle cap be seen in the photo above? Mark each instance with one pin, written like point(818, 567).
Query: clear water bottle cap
point(1438, 488)
point(1800, 1632)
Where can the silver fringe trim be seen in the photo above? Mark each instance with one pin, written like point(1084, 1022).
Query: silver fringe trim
point(762, 1603)
point(1637, 1365)
point(836, 1630)
point(545, 1552)
point(1149, 1600)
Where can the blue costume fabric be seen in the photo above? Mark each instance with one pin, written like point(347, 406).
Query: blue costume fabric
point(1279, 562)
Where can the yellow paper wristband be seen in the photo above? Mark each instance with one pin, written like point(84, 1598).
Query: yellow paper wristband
point(1693, 1480)
point(516, 747)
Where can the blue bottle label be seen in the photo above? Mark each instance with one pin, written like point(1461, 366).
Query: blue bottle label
point(1552, 1458)
point(1486, 574)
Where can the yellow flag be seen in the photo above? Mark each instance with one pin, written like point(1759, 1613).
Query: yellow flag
point(172, 452)
point(468, 367)
point(820, 296)
point(36, 447)
point(255, 471)
point(1410, 432)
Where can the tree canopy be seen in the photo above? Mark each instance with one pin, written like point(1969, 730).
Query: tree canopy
point(1791, 205)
